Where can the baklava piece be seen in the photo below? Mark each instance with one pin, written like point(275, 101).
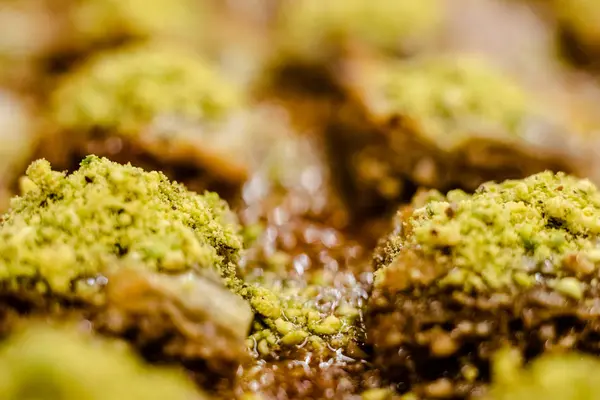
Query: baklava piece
point(42, 37)
point(140, 257)
point(159, 107)
point(313, 39)
point(440, 122)
point(515, 263)
point(166, 108)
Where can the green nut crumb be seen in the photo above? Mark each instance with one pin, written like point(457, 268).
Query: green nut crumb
point(42, 363)
point(316, 342)
point(447, 98)
point(271, 338)
point(263, 348)
point(294, 338)
point(505, 233)
point(313, 316)
point(570, 287)
point(523, 280)
point(377, 394)
point(295, 312)
point(455, 277)
point(265, 302)
point(283, 327)
point(125, 90)
point(328, 326)
point(131, 217)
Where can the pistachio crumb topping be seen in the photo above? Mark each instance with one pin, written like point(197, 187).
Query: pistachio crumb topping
point(125, 90)
point(377, 394)
point(69, 228)
point(314, 314)
point(451, 98)
point(511, 234)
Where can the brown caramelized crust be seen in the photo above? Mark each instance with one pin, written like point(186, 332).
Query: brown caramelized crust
point(446, 340)
point(165, 328)
point(161, 325)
